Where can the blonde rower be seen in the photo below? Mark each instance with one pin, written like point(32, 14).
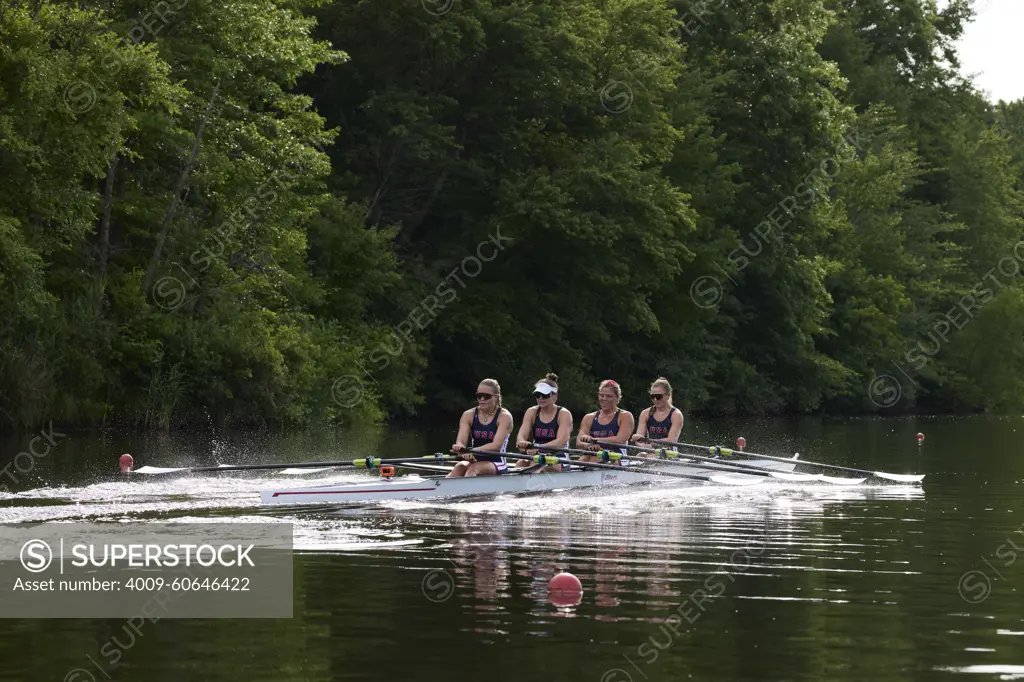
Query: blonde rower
point(484, 427)
point(610, 423)
point(662, 420)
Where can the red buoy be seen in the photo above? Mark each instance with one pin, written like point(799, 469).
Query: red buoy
point(565, 589)
point(126, 463)
point(920, 438)
point(741, 442)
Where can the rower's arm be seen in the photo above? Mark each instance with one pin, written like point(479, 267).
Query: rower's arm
point(465, 424)
point(524, 430)
point(564, 429)
point(588, 420)
point(677, 426)
point(641, 429)
point(504, 428)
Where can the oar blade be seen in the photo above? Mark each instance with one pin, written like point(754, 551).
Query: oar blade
point(841, 480)
point(726, 479)
point(158, 470)
point(902, 478)
point(782, 476)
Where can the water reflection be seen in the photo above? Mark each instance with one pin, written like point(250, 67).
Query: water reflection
point(697, 583)
point(480, 557)
point(648, 560)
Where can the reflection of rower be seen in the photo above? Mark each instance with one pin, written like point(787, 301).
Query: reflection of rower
point(608, 571)
point(609, 424)
point(547, 422)
point(481, 554)
point(485, 427)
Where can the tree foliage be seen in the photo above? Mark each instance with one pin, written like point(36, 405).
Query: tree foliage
point(286, 211)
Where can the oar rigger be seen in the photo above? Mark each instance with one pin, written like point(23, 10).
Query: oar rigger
point(679, 459)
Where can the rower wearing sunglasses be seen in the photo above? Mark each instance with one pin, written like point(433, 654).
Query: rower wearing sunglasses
point(662, 420)
point(610, 424)
point(484, 427)
point(545, 423)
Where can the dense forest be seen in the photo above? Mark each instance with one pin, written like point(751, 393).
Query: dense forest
point(287, 212)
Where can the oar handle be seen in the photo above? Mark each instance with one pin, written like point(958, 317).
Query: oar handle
point(603, 455)
point(634, 447)
point(606, 455)
point(671, 456)
point(546, 459)
point(544, 446)
point(536, 459)
point(718, 450)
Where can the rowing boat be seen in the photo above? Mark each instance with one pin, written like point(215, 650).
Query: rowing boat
point(515, 481)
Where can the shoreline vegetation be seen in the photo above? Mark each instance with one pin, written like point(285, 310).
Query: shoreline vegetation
point(288, 213)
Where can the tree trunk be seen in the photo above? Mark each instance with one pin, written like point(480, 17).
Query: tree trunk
point(374, 210)
point(108, 206)
point(165, 226)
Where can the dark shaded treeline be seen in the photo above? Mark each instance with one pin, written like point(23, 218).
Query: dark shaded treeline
point(280, 212)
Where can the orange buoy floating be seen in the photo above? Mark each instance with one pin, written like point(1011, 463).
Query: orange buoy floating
point(565, 589)
point(741, 443)
point(126, 463)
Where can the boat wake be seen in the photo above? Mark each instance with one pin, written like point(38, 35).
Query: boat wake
point(635, 500)
point(398, 525)
point(174, 498)
point(196, 499)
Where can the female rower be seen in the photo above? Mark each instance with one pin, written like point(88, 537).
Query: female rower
point(610, 423)
point(661, 421)
point(546, 423)
point(484, 427)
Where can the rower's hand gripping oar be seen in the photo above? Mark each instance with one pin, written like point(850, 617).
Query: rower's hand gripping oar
point(670, 457)
point(614, 456)
point(902, 478)
point(364, 463)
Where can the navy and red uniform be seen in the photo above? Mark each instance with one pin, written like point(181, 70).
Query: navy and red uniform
point(600, 431)
point(545, 432)
point(660, 429)
point(482, 434)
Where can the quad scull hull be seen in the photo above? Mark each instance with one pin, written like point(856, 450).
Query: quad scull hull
point(416, 487)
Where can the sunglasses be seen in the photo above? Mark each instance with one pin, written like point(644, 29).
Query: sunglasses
point(538, 395)
point(657, 396)
point(484, 396)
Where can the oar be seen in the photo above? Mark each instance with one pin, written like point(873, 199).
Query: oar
point(902, 478)
point(669, 456)
point(570, 451)
point(672, 457)
point(366, 463)
point(547, 459)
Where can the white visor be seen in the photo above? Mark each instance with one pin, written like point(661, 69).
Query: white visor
point(546, 389)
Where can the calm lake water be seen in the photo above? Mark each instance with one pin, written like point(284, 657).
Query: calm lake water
point(807, 582)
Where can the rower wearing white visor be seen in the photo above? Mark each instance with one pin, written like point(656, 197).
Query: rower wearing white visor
point(546, 423)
